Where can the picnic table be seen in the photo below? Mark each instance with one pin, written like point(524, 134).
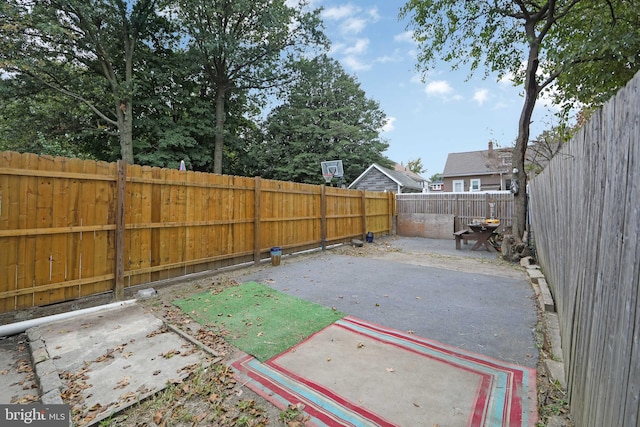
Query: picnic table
point(480, 232)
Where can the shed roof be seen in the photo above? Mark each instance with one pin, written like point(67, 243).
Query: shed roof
point(401, 178)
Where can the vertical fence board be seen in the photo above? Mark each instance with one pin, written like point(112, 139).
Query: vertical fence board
point(586, 219)
point(59, 228)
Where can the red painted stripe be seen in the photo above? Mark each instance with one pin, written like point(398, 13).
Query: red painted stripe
point(512, 406)
point(363, 412)
point(326, 417)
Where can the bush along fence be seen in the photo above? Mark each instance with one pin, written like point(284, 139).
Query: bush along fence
point(71, 228)
point(585, 214)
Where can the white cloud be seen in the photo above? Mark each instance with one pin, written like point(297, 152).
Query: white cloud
point(481, 96)
point(355, 63)
point(506, 80)
point(395, 57)
point(405, 37)
point(388, 125)
point(339, 12)
point(353, 26)
point(337, 48)
point(417, 78)
point(438, 88)
point(442, 89)
point(360, 47)
point(373, 14)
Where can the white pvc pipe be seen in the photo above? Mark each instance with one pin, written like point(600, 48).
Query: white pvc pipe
point(19, 327)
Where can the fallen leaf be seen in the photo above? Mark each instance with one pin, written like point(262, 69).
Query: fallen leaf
point(389, 370)
point(122, 383)
point(157, 417)
point(260, 333)
point(360, 345)
point(328, 359)
point(416, 405)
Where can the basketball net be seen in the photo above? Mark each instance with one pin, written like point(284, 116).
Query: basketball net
point(331, 170)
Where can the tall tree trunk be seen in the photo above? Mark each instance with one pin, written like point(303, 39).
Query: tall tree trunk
point(220, 119)
point(520, 150)
point(125, 130)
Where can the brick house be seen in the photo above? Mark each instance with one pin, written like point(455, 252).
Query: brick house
point(485, 170)
point(398, 180)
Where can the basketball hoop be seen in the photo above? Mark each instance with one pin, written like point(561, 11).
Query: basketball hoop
point(327, 177)
point(332, 169)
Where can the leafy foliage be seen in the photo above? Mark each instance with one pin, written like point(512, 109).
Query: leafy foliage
point(416, 166)
point(245, 45)
point(56, 41)
point(326, 116)
point(502, 36)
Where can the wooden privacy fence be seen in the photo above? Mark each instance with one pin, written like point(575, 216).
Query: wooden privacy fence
point(465, 207)
point(585, 214)
point(71, 228)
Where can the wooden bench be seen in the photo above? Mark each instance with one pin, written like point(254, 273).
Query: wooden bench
point(465, 235)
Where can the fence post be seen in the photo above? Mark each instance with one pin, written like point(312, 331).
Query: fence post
point(323, 217)
point(121, 189)
point(391, 206)
point(256, 221)
point(364, 214)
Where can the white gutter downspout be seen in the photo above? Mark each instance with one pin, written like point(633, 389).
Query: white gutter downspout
point(19, 327)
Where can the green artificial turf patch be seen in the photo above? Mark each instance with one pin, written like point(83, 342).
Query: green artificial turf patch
point(258, 319)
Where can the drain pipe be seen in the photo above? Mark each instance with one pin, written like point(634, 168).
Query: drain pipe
point(19, 327)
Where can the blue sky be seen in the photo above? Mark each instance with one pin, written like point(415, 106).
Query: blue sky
point(427, 120)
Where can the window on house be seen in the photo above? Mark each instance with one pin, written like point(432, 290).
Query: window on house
point(474, 185)
point(458, 185)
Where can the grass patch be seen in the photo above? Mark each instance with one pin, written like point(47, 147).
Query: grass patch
point(258, 319)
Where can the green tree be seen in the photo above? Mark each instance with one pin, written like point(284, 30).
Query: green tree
point(435, 177)
point(36, 119)
point(598, 49)
point(245, 45)
point(502, 36)
point(55, 41)
point(416, 166)
point(326, 116)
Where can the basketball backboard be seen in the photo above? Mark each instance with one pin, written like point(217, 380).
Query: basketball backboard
point(332, 169)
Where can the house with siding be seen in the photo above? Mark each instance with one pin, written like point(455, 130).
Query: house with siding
point(398, 180)
point(485, 170)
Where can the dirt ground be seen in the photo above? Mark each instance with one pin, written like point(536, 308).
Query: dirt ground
point(213, 397)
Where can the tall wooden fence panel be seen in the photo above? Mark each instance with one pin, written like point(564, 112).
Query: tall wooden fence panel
point(71, 228)
point(464, 206)
point(585, 213)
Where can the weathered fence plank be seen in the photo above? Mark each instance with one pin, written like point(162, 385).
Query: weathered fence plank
point(585, 209)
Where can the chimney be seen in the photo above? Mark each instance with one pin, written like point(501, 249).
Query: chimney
point(490, 148)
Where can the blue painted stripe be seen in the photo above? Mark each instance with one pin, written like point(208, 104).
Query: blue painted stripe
point(310, 395)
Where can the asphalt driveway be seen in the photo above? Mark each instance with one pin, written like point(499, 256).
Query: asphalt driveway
point(466, 299)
